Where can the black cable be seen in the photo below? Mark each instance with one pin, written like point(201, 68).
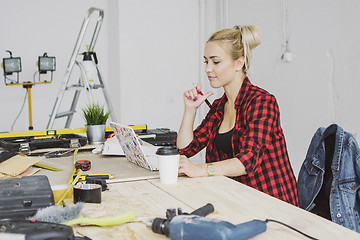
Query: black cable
point(292, 228)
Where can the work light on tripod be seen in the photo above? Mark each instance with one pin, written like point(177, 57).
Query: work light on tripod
point(11, 65)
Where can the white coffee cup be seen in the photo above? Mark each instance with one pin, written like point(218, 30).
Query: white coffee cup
point(168, 161)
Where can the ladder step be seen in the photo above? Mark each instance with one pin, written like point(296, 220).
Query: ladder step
point(64, 114)
point(82, 87)
point(75, 87)
point(96, 86)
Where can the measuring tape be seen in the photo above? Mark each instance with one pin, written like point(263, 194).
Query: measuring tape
point(83, 165)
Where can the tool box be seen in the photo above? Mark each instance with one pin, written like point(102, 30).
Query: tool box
point(158, 136)
point(30, 143)
point(22, 197)
point(23, 229)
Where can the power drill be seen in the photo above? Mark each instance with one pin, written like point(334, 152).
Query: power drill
point(196, 226)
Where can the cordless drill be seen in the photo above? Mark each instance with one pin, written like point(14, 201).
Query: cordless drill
point(196, 226)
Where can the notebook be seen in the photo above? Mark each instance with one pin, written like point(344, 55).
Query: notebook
point(135, 152)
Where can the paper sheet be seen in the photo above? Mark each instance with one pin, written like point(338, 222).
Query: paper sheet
point(17, 164)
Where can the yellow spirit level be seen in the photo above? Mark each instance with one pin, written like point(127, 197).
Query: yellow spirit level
point(54, 132)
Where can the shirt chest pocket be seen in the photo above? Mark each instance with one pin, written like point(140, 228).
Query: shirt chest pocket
point(350, 187)
point(310, 168)
point(312, 177)
point(350, 198)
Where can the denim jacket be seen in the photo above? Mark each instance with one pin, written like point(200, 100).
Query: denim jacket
point(345, 167)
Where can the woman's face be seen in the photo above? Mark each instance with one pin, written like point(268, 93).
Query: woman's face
point(220, 68)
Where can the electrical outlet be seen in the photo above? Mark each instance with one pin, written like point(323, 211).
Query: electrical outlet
point(287, 57)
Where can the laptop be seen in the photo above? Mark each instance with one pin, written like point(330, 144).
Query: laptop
point(135, 152)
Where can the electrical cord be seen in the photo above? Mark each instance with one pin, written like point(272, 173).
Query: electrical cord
point(22, 107)
point(285, 22)
point(292, 228)
point(286, 55)
point(35, 75)
point(82, 238)
point(9, 79)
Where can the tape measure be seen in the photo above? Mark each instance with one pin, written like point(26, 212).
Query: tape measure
point(83, 165)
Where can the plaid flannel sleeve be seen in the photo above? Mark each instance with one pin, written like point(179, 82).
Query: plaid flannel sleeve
point(262, 114)
point(201, 138)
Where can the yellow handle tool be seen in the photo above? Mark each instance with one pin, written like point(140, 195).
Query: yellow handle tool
point(95, 176)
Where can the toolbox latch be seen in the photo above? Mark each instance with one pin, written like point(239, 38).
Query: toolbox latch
point(27, 203)
point(24, 148)
point(74, 143)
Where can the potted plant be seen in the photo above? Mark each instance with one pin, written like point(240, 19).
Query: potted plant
point(95, 118)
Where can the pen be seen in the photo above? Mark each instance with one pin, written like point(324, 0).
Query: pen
point(206, 101)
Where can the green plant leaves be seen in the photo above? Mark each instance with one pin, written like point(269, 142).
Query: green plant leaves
point(95, 114)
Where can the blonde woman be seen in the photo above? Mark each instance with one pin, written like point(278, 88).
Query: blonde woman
point(241, 132)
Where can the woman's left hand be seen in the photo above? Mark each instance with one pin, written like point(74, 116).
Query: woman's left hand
point(191, 169)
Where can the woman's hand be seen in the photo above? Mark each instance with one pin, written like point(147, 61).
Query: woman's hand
point(191, 169)
point(193, 98)
point(230, 167)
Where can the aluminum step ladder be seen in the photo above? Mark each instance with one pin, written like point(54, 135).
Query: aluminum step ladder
point(81, 85)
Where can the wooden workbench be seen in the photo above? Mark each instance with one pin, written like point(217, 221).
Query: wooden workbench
point(233, 202)
point(140, 190)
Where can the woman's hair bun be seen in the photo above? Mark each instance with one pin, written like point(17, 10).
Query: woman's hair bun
point(249, 35)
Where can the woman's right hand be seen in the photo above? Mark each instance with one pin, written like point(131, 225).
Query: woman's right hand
point(191, 169)
point(193, 98)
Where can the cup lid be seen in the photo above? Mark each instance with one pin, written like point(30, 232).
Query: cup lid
point(168, 150)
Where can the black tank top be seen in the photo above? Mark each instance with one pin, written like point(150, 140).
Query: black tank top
point(223, 141)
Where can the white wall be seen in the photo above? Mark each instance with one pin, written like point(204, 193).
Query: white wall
point(150, 52)
point(158, 60)
point(320, 86)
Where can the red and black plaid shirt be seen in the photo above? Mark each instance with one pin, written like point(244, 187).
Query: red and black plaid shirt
point(257, 141)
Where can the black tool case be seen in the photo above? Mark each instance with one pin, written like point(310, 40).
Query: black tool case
point(158, 136)
point(30, 143)
point(12, 229)
point(22, 197)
